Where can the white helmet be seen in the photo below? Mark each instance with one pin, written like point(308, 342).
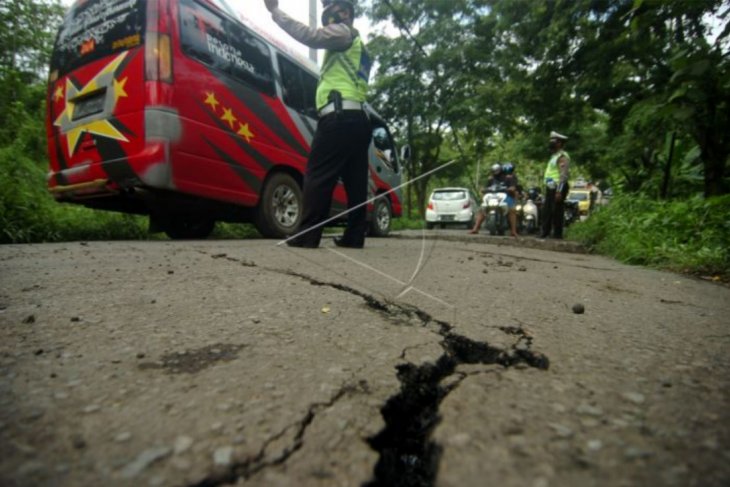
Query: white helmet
point(496, 168)
point(327, 6)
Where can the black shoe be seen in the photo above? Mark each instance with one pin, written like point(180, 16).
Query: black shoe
point(341, 242)
point(295, 242)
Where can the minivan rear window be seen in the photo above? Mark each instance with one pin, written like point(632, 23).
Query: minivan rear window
point(96, 28)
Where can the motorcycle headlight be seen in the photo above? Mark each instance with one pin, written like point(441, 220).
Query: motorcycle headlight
point(519, 207)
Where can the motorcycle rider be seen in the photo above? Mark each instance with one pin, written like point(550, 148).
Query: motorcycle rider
point(501, 175)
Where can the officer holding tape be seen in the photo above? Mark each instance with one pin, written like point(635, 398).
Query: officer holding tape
point(340, 145)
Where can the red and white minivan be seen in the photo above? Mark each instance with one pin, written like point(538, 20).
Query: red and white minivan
point(183, 111)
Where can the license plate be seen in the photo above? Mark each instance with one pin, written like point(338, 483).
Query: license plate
point(89, 105)
point(446, 218)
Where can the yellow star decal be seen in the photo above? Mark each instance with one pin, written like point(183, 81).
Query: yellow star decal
point(229, 117)
point(74, 130)
point(58, 94)
point(68, 110)
point(98, 127)
point(211, 100)
point(119, 89)
point(245, 132)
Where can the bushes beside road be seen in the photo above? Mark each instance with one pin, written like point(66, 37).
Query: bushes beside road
point(28, 213)
point(688, 236)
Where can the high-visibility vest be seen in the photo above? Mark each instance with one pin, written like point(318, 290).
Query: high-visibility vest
point(345, 71)
point(552, 171)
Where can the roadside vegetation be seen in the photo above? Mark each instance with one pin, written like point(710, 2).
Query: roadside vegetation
point(689, 236)
point(480, 81)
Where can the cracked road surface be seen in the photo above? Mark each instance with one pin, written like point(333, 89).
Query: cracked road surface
point(241, 363)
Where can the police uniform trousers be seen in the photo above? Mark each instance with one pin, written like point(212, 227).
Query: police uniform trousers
point(554, 213)
point(339, 151)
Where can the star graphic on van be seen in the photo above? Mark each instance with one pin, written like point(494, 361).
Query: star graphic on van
point(119, 89)
point(245, 132)
point(229, 117)
point(210, 100)
point(58, 94)
point(99, 122)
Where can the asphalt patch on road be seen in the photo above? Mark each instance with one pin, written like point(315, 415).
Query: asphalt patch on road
point(193, 361)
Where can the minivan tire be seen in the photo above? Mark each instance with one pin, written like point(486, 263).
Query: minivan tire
point(381, 218)
point(279, 211)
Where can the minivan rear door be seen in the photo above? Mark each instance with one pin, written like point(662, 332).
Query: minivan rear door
point(97, 90)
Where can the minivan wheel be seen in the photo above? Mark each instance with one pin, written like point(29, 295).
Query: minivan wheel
point(382, 216)
point(280, 207)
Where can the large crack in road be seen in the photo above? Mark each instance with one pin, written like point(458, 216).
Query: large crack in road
point(407, 455)
point(255, 464)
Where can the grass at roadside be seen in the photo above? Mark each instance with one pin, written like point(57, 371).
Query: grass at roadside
point(405, 223)
point(689, 236)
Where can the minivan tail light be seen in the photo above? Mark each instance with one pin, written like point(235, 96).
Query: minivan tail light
point(467, 205)
point(158, 57)
point(430, 205)
point(158, 51)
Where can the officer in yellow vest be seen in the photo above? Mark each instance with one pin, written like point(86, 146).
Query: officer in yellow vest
point(557, 173)
point(340, 145)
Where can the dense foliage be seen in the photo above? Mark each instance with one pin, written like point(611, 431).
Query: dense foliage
point(640, 86)
point(690, 236)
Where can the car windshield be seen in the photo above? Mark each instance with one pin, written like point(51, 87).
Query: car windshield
point(578, 196)
point(448, 195)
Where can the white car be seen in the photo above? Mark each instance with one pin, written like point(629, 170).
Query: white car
point(451, 206)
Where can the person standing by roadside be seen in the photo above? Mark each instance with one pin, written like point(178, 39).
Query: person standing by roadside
point(557, 173)
point(340, 145)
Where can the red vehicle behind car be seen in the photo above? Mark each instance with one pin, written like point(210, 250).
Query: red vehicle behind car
point(179, 110)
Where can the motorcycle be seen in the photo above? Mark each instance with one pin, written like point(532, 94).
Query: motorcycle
point(494, 204)
point(571, 212)
point(527, 216)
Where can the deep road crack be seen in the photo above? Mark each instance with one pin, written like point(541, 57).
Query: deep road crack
point(408, 456)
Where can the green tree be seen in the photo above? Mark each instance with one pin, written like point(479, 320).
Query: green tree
point(416, 84)
point(29, 27)
point(621, 77)
point(647, 65)
point(25, 45)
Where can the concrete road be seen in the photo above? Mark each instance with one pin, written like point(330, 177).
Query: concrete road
point(446, 361)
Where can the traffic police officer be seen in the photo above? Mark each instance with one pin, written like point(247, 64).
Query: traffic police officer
point(557, 173)
point(340, 145)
